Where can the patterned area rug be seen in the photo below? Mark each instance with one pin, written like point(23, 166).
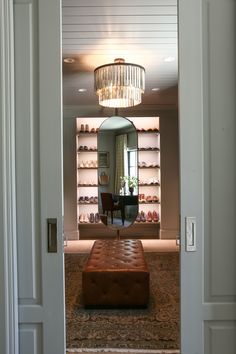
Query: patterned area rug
point(156, 327)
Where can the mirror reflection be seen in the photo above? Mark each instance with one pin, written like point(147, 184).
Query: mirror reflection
point(117, 172)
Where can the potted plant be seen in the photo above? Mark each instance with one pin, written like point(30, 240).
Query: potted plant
point(132, 182)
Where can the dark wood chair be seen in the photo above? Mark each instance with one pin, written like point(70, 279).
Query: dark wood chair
point(108, 205)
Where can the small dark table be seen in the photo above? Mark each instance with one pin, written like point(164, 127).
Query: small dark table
point(126, 200)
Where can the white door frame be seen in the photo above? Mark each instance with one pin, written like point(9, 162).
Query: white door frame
point(8, 254)
point(9, 342)
point(191, 170)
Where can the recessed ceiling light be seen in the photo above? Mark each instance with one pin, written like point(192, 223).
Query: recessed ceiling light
point(155, 89)
point(82, 90)
point(69, 60)
point(169, 59)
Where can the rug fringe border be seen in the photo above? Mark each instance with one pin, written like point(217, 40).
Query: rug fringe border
point(123, 350)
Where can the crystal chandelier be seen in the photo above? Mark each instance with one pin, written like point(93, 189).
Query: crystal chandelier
point(119, 84)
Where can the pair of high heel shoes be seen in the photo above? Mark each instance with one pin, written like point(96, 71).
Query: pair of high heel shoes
point(89, 218)
point(88, 164)
point(88, 200)
point(148, 199)
point(84, 128)
point(151, 216)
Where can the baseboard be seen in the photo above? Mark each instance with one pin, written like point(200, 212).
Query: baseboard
point(121, 351)
point(169, 234)
point(71, 235)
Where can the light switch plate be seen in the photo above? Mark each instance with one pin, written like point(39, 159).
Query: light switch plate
point(190, 233)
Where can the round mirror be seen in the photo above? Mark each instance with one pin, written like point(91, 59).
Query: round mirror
point(117, 172)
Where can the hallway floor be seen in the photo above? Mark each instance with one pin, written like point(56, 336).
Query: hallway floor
point(84, 246)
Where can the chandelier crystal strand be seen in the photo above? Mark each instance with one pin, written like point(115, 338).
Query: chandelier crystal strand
point(119, 84)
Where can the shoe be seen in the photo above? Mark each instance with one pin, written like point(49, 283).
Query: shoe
point(142, 164)
point(155, 199)
point(149, 216)
point(155, 216)
point(83, 217)
point(95, 200)
point(81, 165)
point(86, 219)
point(81, 199)
point(138, 218)
point(148, 199)
point(93, 130)
point(85, 148)
point(91, 218)
point(87, 128)
point(143, 198)
point(156, 181)
point(96, 218)
point(142, 216)
point(81, 148)
point(82, 128)
point(86, 199)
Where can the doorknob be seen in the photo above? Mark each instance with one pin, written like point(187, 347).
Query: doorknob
point(52, 235)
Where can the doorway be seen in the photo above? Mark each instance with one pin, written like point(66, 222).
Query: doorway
point(192, 182)
point(162, 96)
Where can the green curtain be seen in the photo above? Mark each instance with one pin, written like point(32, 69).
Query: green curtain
point(121, 160)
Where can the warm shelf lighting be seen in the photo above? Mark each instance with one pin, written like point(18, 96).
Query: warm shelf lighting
point(119, 84)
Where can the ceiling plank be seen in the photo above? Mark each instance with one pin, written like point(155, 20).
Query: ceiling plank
point(119, 11)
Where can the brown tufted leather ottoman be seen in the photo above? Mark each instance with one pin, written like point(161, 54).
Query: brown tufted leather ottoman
point(116, 275)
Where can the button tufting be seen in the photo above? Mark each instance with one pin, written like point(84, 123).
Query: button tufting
point(116, 274)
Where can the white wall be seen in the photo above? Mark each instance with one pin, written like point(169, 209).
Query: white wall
point(69, 163)
point(169, 174)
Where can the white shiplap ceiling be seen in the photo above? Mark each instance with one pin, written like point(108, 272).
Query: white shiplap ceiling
point(144, 32)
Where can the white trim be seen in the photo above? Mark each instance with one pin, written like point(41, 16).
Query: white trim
point(191, 173)
point(8, 268)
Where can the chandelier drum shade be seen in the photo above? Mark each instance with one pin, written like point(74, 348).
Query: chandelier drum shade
point(119, 84)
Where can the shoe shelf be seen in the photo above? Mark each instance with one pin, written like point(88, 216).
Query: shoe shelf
point(89, 222)
point(87, 185)
point(157, 184)
point(148, 131)
point(87, 168)
point(86, 151)
point(149, 149)
point(149, 180)
point(158, 202)
point(87, 133)
point(84, 203)
point(147, 222)
point(146, 167)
